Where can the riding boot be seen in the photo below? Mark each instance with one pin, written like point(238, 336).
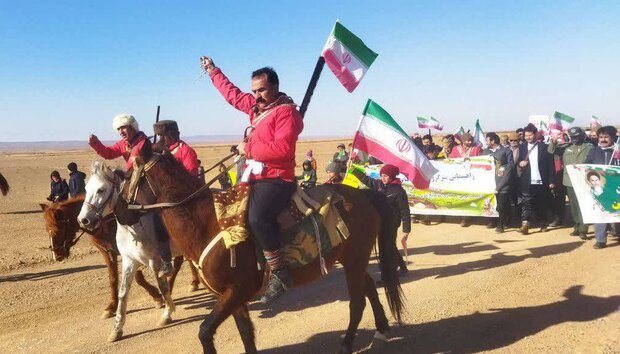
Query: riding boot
point(164, 247)
point(279, 280)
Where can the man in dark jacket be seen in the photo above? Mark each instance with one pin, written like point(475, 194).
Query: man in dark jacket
point(503, 176)
point(59, 190)
point(77, 184)
point(603, 154)
point(537, 178)
point(396, 197)
point(573, 153)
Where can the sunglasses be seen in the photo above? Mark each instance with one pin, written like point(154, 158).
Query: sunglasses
point(514, 139)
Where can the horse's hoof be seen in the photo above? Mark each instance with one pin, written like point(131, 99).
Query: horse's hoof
point(192, 287)
point(164, 321)
point(107, 314)
point(159, 304)
point(115, 335)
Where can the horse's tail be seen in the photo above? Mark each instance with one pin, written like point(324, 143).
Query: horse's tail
point(4, 185)
point(387, 259)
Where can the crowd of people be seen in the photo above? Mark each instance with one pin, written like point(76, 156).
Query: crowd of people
point(60, 190)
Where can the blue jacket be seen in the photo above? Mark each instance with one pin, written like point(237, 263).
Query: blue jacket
point(77, 184)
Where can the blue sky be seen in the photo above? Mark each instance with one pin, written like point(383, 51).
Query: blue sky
point(67, 67)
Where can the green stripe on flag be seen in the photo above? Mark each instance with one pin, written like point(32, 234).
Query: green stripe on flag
point(563, 117)
point(354, 44)
point(373, 109)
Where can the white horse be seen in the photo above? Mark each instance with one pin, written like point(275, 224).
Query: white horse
point(137, 243)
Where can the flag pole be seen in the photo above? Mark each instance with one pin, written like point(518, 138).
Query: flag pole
point(156, 121)
point(312, 85)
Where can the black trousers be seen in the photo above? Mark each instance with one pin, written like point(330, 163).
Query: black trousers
point(536, 200)
point(503, 209)
point(268, 197)
point(559, 202)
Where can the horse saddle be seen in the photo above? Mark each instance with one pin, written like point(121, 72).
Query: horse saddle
point(310, 226)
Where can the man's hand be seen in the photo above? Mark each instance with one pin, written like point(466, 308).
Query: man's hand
point(241, 148)
point(552, 186)
point(523, 163)
point(207, 64)
point(93, 139)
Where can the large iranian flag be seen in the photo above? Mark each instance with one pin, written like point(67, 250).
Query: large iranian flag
point(347, 56)
point(380, 136)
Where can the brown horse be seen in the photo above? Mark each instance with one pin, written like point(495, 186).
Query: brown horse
point(62, 226)
point(4, 185)
point(193, 225)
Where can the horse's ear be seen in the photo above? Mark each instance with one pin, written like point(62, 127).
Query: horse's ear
point(95, 167)
point(119, 173)
point(145, 153)
point(43, 206)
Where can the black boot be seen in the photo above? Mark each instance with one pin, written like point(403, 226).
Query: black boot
point(279, 282)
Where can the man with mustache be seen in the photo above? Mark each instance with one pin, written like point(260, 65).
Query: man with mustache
point(275, 124)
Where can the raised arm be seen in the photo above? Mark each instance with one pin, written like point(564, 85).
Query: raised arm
point(232, 94)
point(107, 152)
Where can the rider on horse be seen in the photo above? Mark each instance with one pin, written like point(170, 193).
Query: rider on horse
point(168, 130)
point(128, 147)
point(270, 166)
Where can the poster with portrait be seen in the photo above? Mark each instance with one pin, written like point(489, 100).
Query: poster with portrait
point(598, 191)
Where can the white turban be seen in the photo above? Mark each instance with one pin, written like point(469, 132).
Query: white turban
point(124, 119)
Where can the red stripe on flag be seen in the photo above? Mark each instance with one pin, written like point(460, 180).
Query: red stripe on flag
point(342, 73)
point(412, 172)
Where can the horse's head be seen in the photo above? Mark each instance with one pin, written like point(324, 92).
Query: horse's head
point(102, 190)
point(61, 226)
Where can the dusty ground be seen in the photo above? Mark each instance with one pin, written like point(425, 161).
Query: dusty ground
point(469, 290)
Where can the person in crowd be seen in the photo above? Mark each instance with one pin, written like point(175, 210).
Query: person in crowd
point(520, 133)
point(224, 178)
point(603, 154)
point(537, 179)
point(592, 135)
point(132, 140)
point(513, 139)
point(77, 180)
point(334, 170)
point(465, 150)
point(341, 156)
point(270, 151)
point(448, 144)
point(390, 185)
point(504, 166)
point(59, 190)
point(427, 140)
point(310, 157)
point(574, 152)
point(467, 147)
point(201, 171)
point(308, 176)
point(505, 142)
point(169, 134)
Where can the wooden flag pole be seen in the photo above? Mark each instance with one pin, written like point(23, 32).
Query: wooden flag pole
point(156, 121)
point(311, 86)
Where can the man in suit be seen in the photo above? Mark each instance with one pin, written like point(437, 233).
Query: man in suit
point(535, 168)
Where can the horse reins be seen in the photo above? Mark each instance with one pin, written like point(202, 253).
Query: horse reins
point(189, 197)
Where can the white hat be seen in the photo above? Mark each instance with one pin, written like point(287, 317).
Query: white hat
point(124, 119)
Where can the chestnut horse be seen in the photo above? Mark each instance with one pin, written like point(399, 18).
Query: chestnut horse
point(4, 185)
point(62, 226)
point(192, 226)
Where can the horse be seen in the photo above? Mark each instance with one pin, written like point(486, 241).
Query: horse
point(62, 227)
point(192, 225)
point(135, 238)
point(4, 185)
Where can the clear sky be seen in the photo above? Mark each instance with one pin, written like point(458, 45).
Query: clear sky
point(67, 67)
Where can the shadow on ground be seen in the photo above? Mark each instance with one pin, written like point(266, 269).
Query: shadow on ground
point(48, 274)
point(471, 333)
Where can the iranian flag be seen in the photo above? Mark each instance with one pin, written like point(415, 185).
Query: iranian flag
point(430, 123)
point(347, 56)
point(562, 121)
point(380, 136)
point(595, 123)
point(479, 138)
point(459, 133)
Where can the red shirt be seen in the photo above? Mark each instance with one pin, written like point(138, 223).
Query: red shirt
point(273, 139)
point(186, 156)
point(128, 151)
point(459, 151)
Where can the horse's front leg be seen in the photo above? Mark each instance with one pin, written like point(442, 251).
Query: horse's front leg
point(162, 282)
point(129, 270)
point(112, 264)
point(177, 262)
point(195, 277)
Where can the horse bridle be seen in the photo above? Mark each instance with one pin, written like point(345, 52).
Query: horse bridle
point(99, 211)
point(68, 241)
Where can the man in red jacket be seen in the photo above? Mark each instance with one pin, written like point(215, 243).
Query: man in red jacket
point(269, 148)
point(168, 130)
point(128, 147)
